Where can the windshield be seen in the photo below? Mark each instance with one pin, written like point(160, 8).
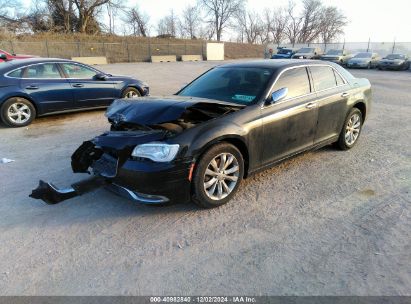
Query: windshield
point(306, 50)
point(335, 52)
point(395, 56)
point(363, 55)
point(284, 51)
point(231, 84)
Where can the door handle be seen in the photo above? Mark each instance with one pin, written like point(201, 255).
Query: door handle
point(345, 94)
point(311, 105)
point(78, 85)
point(32, 87)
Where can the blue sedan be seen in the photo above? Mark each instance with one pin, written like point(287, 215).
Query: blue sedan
point(35, 87)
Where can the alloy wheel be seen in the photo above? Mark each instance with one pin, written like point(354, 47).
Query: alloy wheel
point(221, 176)
point(18, 113)
point(131, 94)
point(352, 131)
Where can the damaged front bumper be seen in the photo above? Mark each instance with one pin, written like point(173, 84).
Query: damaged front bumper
point(107, 158)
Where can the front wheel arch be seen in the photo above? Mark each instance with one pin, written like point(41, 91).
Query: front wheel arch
point(139, 89)
point(235, 141)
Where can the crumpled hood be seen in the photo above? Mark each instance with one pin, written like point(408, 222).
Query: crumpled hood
point(146, 111)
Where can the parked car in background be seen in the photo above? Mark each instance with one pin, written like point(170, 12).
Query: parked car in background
point(394, 62)
point(36, 87)
point(5, 56)
point(338, 56)
point(230, 122)
point(365, 60)
point(308, 53)
point(284, 53)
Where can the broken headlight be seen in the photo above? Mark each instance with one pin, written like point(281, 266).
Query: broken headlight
point(158, 152)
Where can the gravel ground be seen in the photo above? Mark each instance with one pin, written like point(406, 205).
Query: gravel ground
point(324, 223)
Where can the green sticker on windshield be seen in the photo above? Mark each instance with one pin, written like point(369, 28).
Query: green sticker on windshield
point(246, 98)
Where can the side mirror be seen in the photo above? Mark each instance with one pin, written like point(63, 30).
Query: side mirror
point(278, 95)
point(100, 76)
point(3, 57)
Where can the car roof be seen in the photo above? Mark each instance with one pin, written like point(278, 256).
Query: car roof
point(16, 63)
point(275, 64)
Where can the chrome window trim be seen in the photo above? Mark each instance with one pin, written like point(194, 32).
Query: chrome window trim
point(49, 62)
point(263, 106)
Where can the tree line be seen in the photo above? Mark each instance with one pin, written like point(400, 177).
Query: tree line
point(299, 22)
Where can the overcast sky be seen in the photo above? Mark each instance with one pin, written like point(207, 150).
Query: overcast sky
point(379, 20)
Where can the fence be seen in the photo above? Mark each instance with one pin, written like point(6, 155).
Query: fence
point(125, 51)
point(382, 48)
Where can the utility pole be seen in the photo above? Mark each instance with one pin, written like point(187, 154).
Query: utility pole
point(368, 47)
point(393, 47)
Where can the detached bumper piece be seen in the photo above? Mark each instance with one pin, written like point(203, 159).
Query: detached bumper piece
point(51, 195)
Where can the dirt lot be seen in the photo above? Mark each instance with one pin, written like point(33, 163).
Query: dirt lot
point(324, 223)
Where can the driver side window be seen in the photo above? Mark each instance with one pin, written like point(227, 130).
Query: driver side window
point(297, 82)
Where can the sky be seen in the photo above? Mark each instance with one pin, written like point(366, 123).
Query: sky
point(382, 21)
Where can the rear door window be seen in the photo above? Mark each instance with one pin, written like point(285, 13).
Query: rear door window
point(296, 80)
point(45, 71)
point(323, 77)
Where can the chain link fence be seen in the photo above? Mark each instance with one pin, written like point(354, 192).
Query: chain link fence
point(125, 51)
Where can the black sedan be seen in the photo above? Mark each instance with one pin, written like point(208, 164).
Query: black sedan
point(230, 122)
point(39, 86)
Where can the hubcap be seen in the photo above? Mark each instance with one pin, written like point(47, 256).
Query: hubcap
point(19, 113)
point(221, 176)
point(131, 94)
point(352, 131)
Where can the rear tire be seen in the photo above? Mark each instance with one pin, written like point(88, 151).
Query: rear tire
point(17, 112)
point(351, 130)
point(217, 176)
point(131, 93)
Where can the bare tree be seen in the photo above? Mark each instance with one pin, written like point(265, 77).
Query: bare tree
point(206, 32)
point(280, 20)
point(87, 11)
point(221, 11)
point(249, 24)
point(167, 26)
point(293, 27)
point(113, 8)
point(12, 16)
point(139, 21)
point(311, 20)
point(63, 15)
point(333, 22)
point(190, 21)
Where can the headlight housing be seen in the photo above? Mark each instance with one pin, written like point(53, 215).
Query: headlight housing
point(156, 151)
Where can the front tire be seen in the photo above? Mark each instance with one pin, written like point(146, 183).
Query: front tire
point(217, 176)
point(351, 130)
point(17, 112)
point(131, 93)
